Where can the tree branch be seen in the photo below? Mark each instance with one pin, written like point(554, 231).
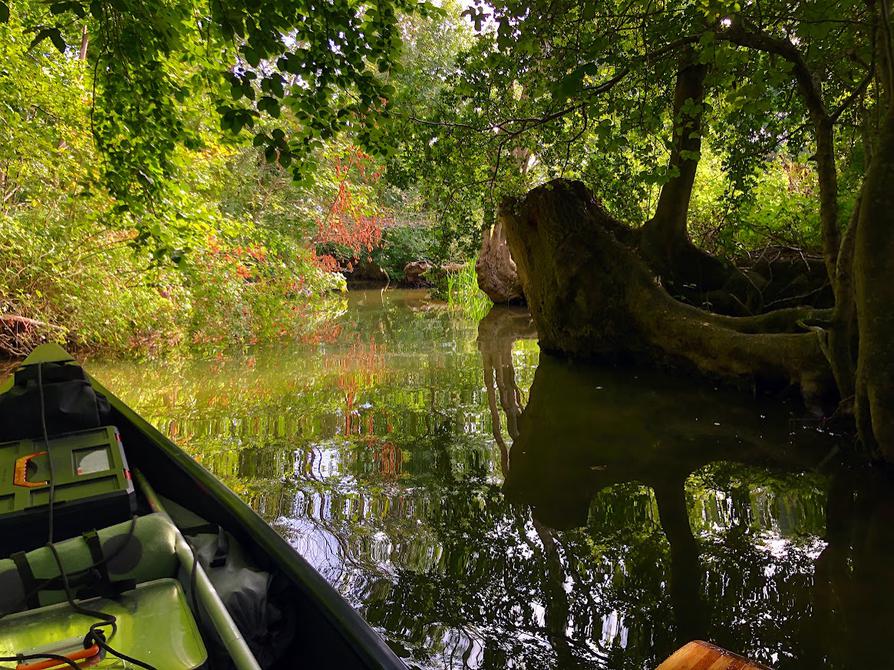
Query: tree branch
point(740, 34)
point(856, 93)
point(27, 322)
point(747, 36)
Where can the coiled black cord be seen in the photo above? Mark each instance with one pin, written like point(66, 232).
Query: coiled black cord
point(96, 635)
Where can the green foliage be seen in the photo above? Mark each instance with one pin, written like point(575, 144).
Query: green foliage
point(163, 80)
point(82, 295)
point(91, 288)
point(585, 90)
point(422, 160)
point(143, 146)
point(317, 67)
point(519, 108)
point(402, 244)
point(244, 294)
point(222, 260)
point(780, 209)
point(458, 286)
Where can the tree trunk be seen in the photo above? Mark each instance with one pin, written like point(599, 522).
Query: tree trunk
point(828, 192)
point(667, 229)
point(497, 332)
point(855, 589)
point(556, 609)
point(687, 271)
point(686, 573)
point(591, 295)
point(85, 40)
point(874, 298)
point(843, 339)
point(495, 269)
point(823, 128)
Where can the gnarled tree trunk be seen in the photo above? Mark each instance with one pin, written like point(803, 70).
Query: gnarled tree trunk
point(667, 229)
point(664, 242)
point(495, 269)
point(591, 295)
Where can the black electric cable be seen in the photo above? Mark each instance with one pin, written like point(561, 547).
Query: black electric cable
point(96, 635)
point(37, 657)
point(46, 446)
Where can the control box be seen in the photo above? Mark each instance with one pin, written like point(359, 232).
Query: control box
point(91, 481)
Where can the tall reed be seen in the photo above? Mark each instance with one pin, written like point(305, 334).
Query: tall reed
point(463, 292)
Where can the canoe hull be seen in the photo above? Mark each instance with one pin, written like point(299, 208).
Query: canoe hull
point(328, 631)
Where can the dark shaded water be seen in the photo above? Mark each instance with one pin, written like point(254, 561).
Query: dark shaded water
point(488, 507)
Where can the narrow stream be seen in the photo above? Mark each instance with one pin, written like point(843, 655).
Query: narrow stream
point(486, 506)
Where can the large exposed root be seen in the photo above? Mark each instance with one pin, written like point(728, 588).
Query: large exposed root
point(592, 295)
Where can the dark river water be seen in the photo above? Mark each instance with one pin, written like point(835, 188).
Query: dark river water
point(486, 506)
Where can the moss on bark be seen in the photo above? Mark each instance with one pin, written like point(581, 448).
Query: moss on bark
point(874, 299)
point(592, 295)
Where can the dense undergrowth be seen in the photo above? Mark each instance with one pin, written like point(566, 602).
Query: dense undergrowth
point(78, 283)
point(221, 256)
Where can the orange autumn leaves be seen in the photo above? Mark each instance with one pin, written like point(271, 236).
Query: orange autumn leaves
point(362, 367)
point(354, 220)
point(240, 258)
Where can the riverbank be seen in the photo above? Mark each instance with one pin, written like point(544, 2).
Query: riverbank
point(222, 295)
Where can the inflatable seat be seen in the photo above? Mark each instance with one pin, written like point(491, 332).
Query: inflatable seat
point(154, 625)
point(98, 563)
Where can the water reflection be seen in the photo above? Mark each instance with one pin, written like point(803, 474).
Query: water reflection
point(486, 507)
point(497, 333)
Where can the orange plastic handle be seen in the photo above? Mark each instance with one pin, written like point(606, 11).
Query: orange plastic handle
point(20, 476)
point(78, 655)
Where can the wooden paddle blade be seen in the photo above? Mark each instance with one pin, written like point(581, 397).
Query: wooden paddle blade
point(698, 655)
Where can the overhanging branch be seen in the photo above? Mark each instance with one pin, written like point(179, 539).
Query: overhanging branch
point(745, 36)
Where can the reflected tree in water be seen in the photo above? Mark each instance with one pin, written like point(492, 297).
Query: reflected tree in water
point(744, 584)
point(497, 332)
point(486, 511)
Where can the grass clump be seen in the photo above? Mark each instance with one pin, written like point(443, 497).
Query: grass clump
point(462, 292)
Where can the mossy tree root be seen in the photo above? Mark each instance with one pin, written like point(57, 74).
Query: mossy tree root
point(591, 295)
